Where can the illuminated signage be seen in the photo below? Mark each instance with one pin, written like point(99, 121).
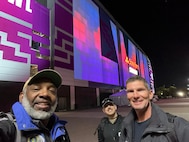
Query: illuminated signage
point(19, 3)
point(133, 71)
point(131, 63)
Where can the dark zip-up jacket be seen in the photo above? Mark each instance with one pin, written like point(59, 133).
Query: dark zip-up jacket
point(158, 128)
point(108, 132)
point(32, 130)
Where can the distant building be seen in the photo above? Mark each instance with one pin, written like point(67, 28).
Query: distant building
point(78, 38)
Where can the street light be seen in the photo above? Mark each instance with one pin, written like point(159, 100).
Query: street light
point(180, 94)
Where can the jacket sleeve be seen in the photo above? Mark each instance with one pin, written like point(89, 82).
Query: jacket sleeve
point(67, 138)
point(182, 129)
point(7, 131)
point(100, 134)
point(64, 138)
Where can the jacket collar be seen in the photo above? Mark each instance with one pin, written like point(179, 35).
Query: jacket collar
point(25, 122)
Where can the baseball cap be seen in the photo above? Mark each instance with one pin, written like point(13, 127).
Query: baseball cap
point(51, 74)
point(107, 101)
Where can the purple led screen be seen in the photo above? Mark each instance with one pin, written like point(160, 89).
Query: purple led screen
point(141, 64)
point(151, 75)
point(146, 69)
point(107, 46)
point(18, 18)
point(131, 51)
point(124, 67)
point(63, 56)
point(89, 62)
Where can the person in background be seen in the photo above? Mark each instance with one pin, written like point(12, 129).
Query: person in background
point(109, 126)
point(147, 122)
point(34, 113)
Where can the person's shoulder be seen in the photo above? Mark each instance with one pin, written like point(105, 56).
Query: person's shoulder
point(2, 114)
point(102, 123)
point(170, 117)
point(179, 120)
point(121, 116)
point(6, 116)
point(103, 119)
point(7, 120)
point(7, 127)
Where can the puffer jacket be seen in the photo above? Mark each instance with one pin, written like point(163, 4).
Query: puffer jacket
point(158, 128)
point(32, 130)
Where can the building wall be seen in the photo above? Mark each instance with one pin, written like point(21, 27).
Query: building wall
point(78, 38)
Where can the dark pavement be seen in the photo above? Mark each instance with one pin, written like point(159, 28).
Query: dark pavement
point(83, 123)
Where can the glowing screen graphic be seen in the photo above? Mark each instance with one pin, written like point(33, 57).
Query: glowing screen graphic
point(141, 64)
point(124, 67)
point(92, 61)
point(22, 22)
point(85, 41)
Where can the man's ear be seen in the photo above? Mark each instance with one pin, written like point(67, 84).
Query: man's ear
point(21, 96)
point(103, 110)
point(115, 106)
point(151, 95)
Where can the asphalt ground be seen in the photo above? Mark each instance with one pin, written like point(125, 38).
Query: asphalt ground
point(83, 123)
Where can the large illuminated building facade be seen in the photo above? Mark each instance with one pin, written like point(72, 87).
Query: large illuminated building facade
point(78, 38)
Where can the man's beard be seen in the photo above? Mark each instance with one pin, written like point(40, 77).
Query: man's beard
point(37, 114)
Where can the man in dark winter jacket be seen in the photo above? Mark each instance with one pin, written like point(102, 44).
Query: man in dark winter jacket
point(147, 122)
point(109, 126)
point(34, 113)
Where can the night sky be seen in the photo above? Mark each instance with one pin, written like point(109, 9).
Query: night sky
point(161, 29)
